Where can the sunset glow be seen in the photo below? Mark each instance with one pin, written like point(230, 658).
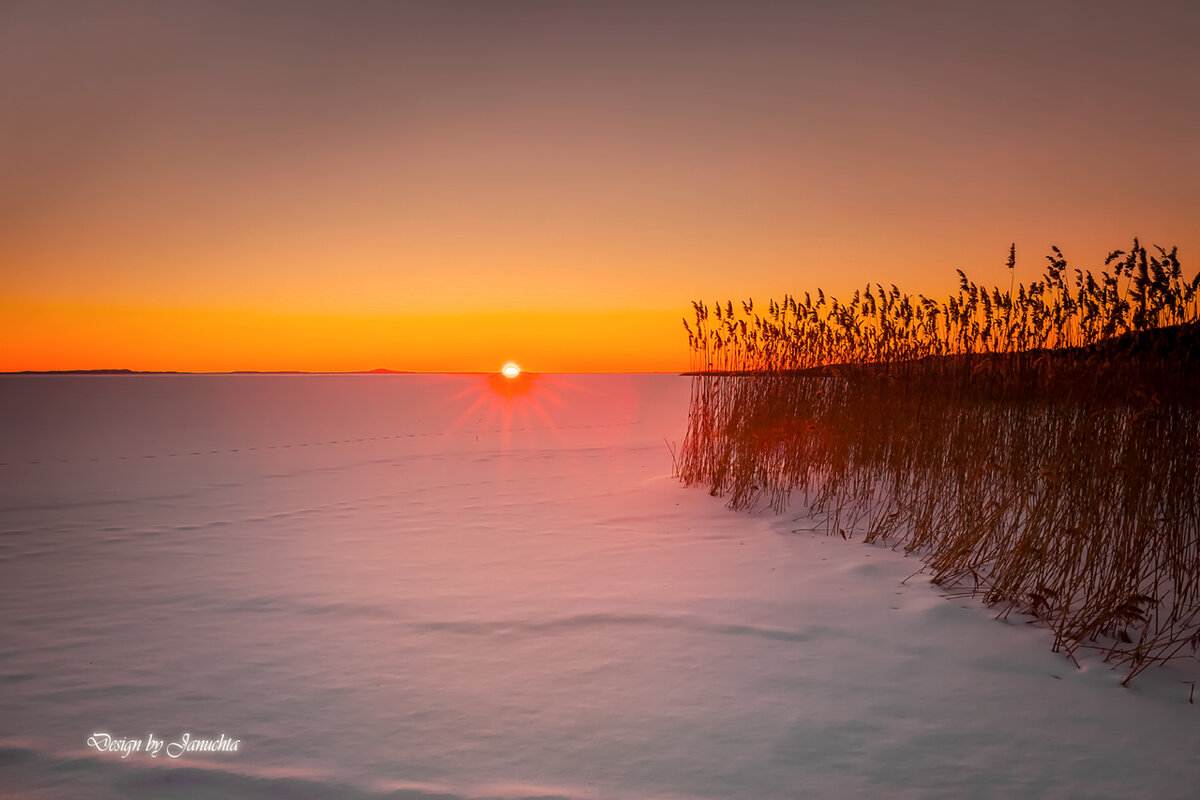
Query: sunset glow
point(511, 370)
point(431, 186)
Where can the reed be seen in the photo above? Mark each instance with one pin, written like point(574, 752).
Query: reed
point(1038, 447)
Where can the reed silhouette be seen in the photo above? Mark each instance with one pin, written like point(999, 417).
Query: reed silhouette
point(1038, 447)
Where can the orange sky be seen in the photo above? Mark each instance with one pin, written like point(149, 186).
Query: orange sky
point(446, 186)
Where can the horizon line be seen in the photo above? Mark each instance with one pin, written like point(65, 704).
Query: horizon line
point(378, 371)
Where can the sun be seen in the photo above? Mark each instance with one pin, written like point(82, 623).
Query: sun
point(510, 370)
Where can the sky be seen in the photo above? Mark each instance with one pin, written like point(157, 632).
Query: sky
point(446, 186)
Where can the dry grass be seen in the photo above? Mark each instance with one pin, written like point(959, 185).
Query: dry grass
point(1037, 447)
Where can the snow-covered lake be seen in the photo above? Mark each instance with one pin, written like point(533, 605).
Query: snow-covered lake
point(419, 587)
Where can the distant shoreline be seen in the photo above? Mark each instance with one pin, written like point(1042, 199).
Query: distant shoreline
point(185, 372)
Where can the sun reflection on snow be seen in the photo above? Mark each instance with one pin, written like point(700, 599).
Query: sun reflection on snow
point(504, 403)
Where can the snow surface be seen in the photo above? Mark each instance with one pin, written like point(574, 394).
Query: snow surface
point(429, 587)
